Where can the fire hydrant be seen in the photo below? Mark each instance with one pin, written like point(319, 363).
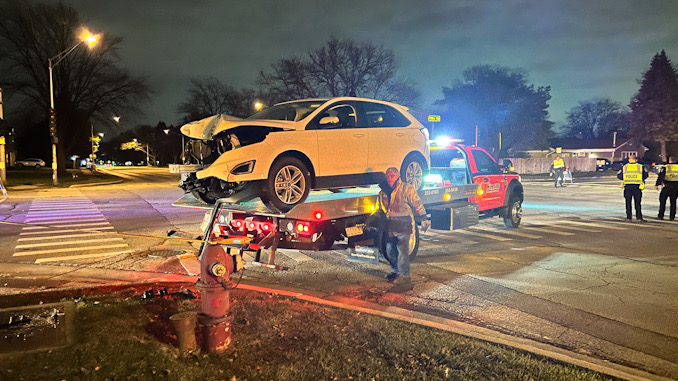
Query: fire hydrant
point(216, 267)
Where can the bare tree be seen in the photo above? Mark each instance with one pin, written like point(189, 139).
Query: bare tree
point(87, 84)
point(340, 68)
point(209, 96)
point(597, 119)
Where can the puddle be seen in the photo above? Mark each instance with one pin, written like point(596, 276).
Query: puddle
point(38, 327)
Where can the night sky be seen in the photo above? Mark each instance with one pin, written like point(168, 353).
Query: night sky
point(582, 49)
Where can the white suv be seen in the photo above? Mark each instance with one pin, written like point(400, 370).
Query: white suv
point(284, 151)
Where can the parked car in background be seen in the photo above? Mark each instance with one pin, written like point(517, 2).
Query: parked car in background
point(31, 162)
point(284, 151)
point(603, 164)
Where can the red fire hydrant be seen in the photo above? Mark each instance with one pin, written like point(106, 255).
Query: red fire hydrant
point(216, 267)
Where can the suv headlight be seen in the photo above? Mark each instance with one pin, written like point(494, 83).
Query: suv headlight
point(243, 168)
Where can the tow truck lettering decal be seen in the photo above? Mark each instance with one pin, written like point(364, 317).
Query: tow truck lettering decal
point(431, 192)
point(493, 188)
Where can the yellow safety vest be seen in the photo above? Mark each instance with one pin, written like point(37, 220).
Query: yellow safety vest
point(633, 174)
point(558, 164)
point(671, 172)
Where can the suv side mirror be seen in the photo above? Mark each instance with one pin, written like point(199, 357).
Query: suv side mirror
point(329, 120)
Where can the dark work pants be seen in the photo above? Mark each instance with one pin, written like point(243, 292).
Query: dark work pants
point(558, 174)
point(670, 192)
point(632, 191)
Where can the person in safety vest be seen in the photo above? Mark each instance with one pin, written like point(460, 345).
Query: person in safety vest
point(401, 204)
point(668, 176)
point(557, 168)
point(633, 177)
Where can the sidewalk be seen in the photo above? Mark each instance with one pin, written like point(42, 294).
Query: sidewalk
point(41, 283)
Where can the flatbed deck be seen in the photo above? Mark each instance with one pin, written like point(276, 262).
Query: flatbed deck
point(332, 206)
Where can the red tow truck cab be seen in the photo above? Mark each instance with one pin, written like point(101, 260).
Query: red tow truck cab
point(501, 192)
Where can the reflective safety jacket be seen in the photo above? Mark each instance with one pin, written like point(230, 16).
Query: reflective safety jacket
point(632, 173)
point(400, 205)
point(558, 164)
point(671, 172)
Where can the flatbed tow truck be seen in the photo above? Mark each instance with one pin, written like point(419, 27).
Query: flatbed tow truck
point(463, 185)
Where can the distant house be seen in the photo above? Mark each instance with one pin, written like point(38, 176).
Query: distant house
point(591, 148)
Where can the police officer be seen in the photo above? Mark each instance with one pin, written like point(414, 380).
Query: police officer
point(401, 203)
point(557, 168)
point(633, 177)
point(668, 176)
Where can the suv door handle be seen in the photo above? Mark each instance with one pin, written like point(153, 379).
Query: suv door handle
point(400, 134)
point(358, 135)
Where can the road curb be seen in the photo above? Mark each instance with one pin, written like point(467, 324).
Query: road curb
point(101, 278)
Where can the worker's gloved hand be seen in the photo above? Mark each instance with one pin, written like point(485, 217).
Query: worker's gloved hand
point(425, 225)
point(550, 174)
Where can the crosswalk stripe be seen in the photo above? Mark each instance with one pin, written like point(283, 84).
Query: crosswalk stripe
point(60, 243)
point(545, 230)
point(70, 257)
point(63, 211)
point(64, 226)
point(488, 236)
point(38, 252)
point(514, 232)
point(446, 233)
point(61, 231)
point(62, 218)
point(58, 236)
point(577, 228)
point(594, 225)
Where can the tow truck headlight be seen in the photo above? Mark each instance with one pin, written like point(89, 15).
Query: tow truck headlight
point(433, 179)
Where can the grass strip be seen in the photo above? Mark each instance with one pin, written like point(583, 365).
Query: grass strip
point(275, 338)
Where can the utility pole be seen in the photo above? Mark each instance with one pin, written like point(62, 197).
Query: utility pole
point(3, 169)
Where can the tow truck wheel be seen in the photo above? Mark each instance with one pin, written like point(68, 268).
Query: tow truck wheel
point(203, 197)
point(412, 171)
point(514, 213)
point(413, 248)
point(288, 184)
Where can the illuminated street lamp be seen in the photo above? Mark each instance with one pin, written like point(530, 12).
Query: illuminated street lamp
point(258, 105)
point(90, 39)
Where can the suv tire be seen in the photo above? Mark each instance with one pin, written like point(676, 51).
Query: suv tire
point(412, 171)
point(288, 184)
point(513, 213)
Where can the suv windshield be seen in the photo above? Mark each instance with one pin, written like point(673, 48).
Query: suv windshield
point(294, 111)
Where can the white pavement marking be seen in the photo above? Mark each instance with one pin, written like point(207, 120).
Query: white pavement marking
point(65, 219)
point(576, 228)
point(70, 257)
point(65, 226)
point(514, 232)
point(545, 230)
point(30, 245)
point(59, 236)
point(63, 211)
point(38, 252)
point(596, 225)
point(295, 255)
point(488, 236)
point(62, 231)
point(447, 234)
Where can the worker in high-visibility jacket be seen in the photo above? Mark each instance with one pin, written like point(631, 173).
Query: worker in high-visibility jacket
point(633, 176)
point(557, 169)
point(668, 180)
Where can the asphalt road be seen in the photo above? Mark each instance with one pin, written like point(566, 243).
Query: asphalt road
point(575, 274)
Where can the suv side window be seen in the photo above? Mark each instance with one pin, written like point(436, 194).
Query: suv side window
point(380, 115)
point(484, 163)
point(345, 112)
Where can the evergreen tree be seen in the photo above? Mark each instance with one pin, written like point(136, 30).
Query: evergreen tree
point(654, 108)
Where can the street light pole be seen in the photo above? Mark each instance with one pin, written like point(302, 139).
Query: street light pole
point(89, 38)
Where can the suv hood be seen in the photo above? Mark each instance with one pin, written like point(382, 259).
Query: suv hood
point(206, 129)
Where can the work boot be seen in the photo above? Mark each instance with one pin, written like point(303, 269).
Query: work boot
point(391, 277)
point(403, 280)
